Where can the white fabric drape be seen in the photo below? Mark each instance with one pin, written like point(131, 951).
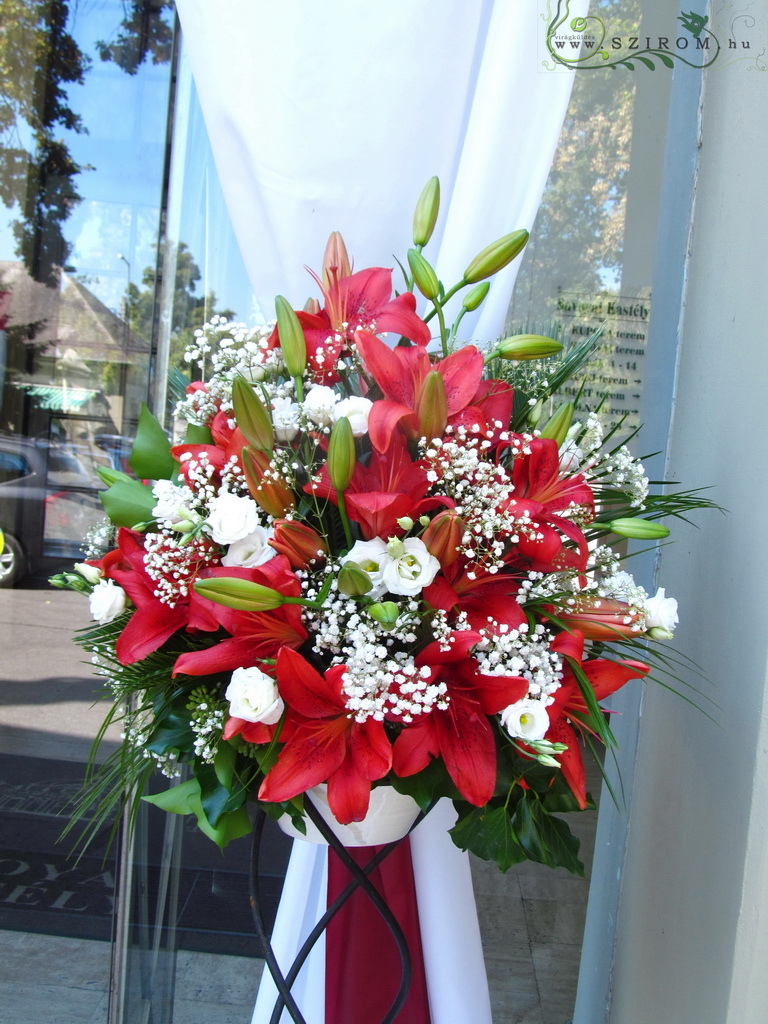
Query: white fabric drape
point(332, 116)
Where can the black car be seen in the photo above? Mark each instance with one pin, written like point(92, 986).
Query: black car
point(48, 501)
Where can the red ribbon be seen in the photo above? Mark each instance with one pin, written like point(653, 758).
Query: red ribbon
point(362, 963)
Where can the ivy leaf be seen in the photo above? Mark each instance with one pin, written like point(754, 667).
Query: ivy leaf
point(196, 434)
point(546, 839)
point(150, 457)
point(489, 834)
point(186, 799)
point(217, 799)
point(173, 732)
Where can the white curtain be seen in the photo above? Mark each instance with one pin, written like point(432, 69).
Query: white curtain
point(332, 116)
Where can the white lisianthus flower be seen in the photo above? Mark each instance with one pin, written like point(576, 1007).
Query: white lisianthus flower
point(357, 411)
point(107, 601)
point(407, 567)
point(250, 551)
point(319, 404)
point(231, 517)
point(285, 419)
point(526, 719)
point(171, 500)
point(254, 697)
point(368, 554)
point(661, 612)
point(91, 573)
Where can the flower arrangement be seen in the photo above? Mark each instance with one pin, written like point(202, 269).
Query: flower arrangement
point(368, 564)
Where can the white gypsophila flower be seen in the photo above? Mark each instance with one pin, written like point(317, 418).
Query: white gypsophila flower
point(250, 551)
point(91, 573)
point(356, 410)
point(368, 554)
point(661, 612)
point(231, 518)
point(254, 697)
point(107, 601)
point(526, 719)
point(285, 419)
point(171, 501)
point(407, 567)
point(319, 404)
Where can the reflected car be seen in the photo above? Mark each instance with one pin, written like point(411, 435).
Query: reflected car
point(49, 499)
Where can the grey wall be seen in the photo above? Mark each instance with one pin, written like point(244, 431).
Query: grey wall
point(692, 935)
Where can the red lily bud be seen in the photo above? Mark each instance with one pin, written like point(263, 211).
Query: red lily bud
point(432, 406)
point(443, 536)
point(252, 416)
point(600, 618)
point(335, 260)
point(267, 487)
point(300, 544)
point(312, 306)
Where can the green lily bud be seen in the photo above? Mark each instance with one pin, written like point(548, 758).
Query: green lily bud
point(527, 346)
point(353, 581)
point(639, 529)
point(432, 406)
point(475, 296)
point(558, 426)
point(426, 212)
point(243, 595)
point(385, 613)
point(657, 633)
point(341, 454)
point(495, 256)
point(251, 416)
point(424, 276)
point(405, 523)
point(537, 411)
point(292, 340)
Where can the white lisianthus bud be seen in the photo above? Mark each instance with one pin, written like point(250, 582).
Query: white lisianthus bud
point(661, 612)
point(285, 419)
point(356, 410)
point(254, 697)
point(91, 573)
point(319, 404)
point(367, 554)
point(231, 517)
point(107, 601)
point(409, 572)
point(570, 457)
point(250, 551)
point(526, 719)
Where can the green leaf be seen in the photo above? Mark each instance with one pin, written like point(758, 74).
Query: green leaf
point(426, 786)
point(667, 61)
point(216, 798)
point(128, 502)
point(198, 434)
point(546, 839)
point(489, 834)
point(172, 732)
point(648, 63)
point(150, 457)
point(186, 799)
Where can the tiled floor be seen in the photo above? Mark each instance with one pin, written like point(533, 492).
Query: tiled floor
point(531, 919)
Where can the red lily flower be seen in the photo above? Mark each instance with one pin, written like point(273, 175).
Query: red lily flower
point(605, 677)
point(154, 621)
point(253, 635)
point(542, 493)
point(389, 487)
point(323, 742)
point(228, 443)
point(461, 734)
point(360, 302)
point(482, 596)
point(402, 373)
